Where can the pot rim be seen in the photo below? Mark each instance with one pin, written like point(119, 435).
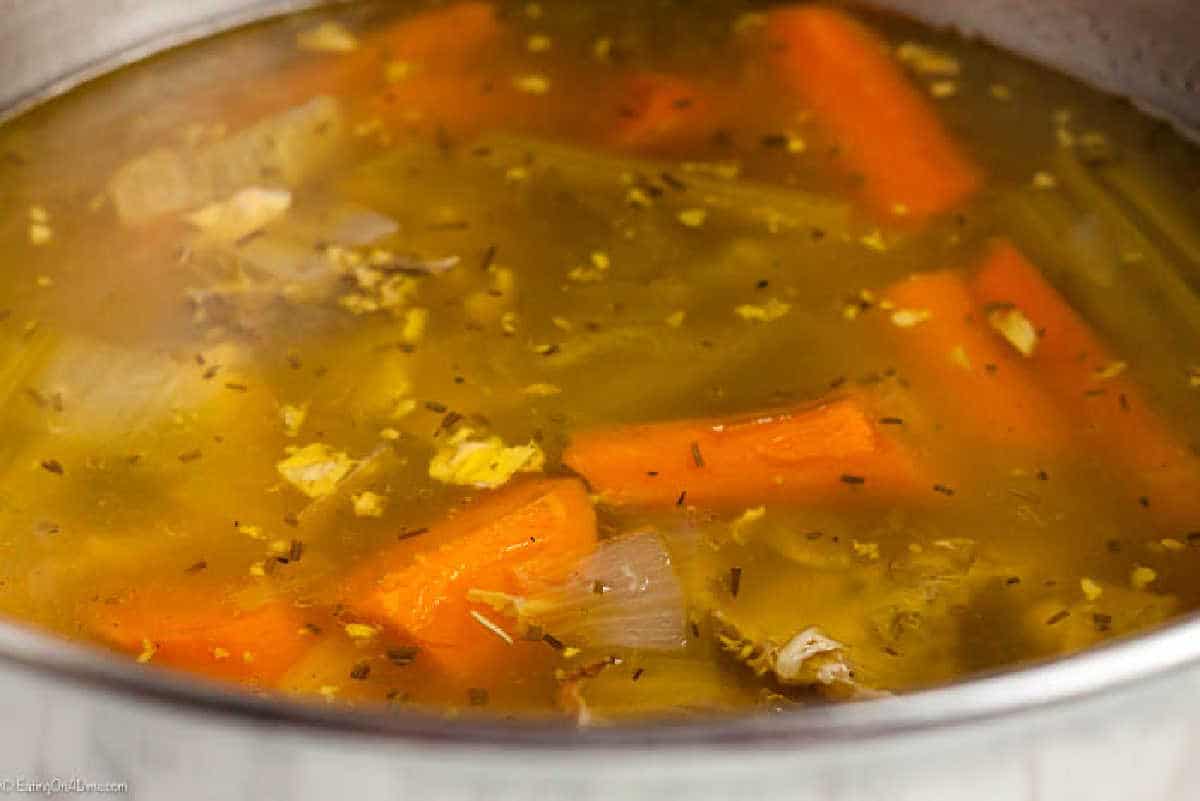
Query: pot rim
point(1110, 667)
point(1102, 670)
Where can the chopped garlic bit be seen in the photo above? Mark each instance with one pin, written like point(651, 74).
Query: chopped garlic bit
point(368, 504)
point(542, 390)
point(537, 43)
point(738, 528)
point(508, 323)
point(1193, 374)
point(532, 84)
point(220, 653)
point(247, 211)
point(40, 231)
point(602, 48)
point(258, 569)
point(867, 550)
point(789, 661)
point(315, 469)
point(927, 61)
point(397, 71)
point(907, 318)
point(1111, 370)
point(1001, 92)
point(1012, 324)
point(693, 218)
point(773, 309)
point(1044, 180)
point(253, 532)
point(593, 273)
point(467, 460)
point(415, 321)
point(943, 89)
point(360, 631)
point(959, 357)
point(1091, 589)
point(328, 37)
point(293, 416)
point(675, 319)
point(874, 241)
point(1141, 577)
point(149, 649)
point(725, 170)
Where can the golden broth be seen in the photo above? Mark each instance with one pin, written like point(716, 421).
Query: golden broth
point(153, 379)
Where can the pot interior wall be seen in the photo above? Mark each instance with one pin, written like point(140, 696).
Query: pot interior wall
point(1146, 50)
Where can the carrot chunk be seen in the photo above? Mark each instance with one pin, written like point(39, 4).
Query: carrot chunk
point(662, 111)
point(524, 537)
point(823, 453)
point(453, 38)
point(974, 379)
point(415, 65)
point(1076, 366)
point(191, 631)
point(886, 131)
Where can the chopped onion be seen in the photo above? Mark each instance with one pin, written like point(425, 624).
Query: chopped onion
point(626, 595)
point(242, 214)
point(355, 226)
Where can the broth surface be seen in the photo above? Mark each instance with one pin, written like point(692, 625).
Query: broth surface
point(455, 258)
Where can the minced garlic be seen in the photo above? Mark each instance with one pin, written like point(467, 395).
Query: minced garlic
point(315, 469)
point(482, 462)
point(773, 309)
point(1012, 324)
point(1141, 577)
point(293, 416)
point(368, 504)
point(328, 37)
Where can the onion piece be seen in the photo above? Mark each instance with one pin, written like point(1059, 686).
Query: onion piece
point(626, 595)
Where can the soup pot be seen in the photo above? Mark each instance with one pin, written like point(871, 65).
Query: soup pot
point(1120, 723)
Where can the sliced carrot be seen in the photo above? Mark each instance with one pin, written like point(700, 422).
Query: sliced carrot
point(974, 380)
point(660, 111)
point(824, 453)
point(527, 536)
point(452, 39)
point(886, 131)
point(1075, 365)
point(190, 630)
point(431, 53)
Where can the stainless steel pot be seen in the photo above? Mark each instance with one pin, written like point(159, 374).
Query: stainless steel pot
point(1121, 723)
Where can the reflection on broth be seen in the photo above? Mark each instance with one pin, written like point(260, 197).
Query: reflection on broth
point(575, 359)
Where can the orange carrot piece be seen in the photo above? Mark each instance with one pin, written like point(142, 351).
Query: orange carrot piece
point(451, 39)
point(190, 631)
point(524, 537)
point(439, 47)
point(885, 129)
point(824, 453)
point(1069, 359)
point(662, 111)
point(975, 380)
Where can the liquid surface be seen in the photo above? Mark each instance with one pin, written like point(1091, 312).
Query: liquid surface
point(280, 304)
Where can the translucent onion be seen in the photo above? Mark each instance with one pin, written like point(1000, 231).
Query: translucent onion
point(626, 595)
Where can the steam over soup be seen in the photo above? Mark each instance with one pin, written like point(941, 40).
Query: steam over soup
point(597, 360)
